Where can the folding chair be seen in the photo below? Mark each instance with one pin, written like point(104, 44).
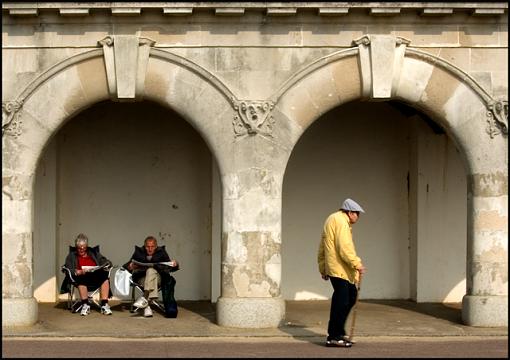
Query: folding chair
point(73, 295)
point(138, 289)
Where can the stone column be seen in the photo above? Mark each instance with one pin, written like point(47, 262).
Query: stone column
point(486, 299)
point(19, 156)
point(251, 238)
point(19, 307)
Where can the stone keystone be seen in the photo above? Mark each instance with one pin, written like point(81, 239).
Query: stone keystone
point(381, 58)
point(126, 58)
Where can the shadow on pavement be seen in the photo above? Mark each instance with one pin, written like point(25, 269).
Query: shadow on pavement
point(306, 320)
point(203, 308)
point(451, 312)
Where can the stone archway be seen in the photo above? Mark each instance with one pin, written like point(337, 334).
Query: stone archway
point(384, 68)
point(251, 141)
point(126, 69)
point(29, 122)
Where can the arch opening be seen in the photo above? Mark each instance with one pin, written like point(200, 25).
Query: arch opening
point(120, 172)
point(409, 177)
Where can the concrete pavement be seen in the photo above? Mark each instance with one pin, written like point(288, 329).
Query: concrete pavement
point(304, 319)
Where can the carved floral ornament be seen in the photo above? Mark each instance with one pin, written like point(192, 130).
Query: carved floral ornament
point(11, 123)
point(497, 117)
point(253, 117)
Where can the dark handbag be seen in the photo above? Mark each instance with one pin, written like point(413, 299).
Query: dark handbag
point(167, 290)
point(171, 309)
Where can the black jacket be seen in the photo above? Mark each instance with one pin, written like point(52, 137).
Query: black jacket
point(160, 255)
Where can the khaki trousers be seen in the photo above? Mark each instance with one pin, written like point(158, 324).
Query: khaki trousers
point(151, 282)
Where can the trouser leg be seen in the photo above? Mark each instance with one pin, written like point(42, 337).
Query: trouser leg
point(150, 283)
point(353, 293)
point(342, 301)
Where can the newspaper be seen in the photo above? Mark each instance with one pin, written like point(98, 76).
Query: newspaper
point(92, 268)
point(168, 263)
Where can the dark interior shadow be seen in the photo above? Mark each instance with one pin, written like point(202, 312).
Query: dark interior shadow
point(447, 311)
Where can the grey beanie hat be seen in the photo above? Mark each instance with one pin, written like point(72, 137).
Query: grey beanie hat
point(351, 205)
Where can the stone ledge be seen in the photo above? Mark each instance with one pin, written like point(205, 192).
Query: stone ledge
point(270, 8)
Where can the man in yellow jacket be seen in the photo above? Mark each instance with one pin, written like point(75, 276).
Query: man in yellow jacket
point(339, 263)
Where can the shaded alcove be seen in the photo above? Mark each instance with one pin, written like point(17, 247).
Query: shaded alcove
point(409, 177)
point(119, 172)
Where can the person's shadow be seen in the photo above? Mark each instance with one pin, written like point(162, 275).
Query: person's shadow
point(303, 318)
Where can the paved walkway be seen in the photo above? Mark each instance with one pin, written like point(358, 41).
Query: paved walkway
point(304, 319)
point(255, 347)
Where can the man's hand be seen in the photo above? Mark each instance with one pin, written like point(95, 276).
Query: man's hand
point(362, 269)
point(325, 277)
point(132, 266)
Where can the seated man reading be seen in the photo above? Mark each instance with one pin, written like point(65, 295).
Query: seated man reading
point(150, 276)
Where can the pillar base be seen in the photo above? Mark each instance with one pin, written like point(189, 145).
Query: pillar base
point(488, 311)
point(250, 313)
point(19, 311)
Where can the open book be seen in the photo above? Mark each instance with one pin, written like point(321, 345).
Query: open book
point(168, 263)
point(92, 268)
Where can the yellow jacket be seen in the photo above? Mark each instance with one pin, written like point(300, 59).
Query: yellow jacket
point(337, 255)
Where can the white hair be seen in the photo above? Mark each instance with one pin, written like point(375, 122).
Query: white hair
point(81, 239)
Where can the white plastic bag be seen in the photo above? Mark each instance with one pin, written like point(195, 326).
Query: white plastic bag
point(120, 283)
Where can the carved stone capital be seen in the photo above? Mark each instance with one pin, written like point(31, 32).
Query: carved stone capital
point(11, 123)
point(253, 117)
point(497, 118)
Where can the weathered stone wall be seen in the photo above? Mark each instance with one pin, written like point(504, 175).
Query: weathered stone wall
point(264, 74)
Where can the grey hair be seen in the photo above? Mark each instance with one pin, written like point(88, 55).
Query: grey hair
point(81, 239)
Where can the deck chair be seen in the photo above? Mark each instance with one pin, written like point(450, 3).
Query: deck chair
point(70, 287)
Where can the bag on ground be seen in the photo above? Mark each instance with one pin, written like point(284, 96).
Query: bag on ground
point(120, 284)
